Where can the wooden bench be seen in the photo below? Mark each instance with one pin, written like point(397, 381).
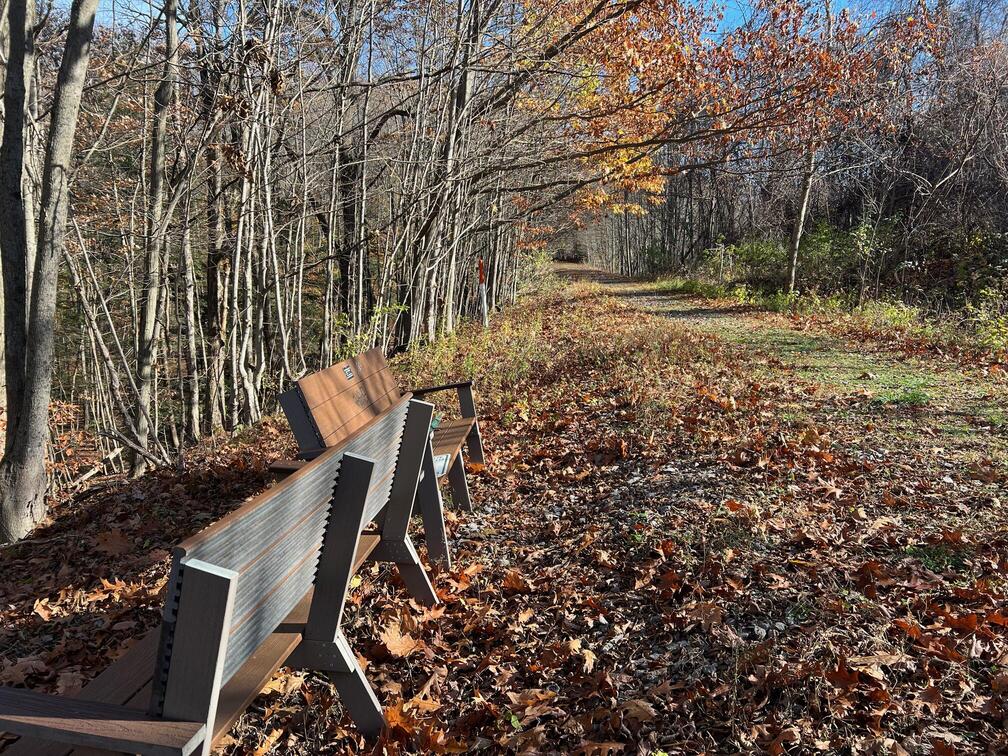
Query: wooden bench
point(324, 407)
point(264, 586)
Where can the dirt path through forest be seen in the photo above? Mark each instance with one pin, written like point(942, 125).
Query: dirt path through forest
point(960, 405)
point(701, 529)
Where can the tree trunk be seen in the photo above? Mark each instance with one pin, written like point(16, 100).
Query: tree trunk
point(156, 230)
point(22, 471)
point(799, 224)
point(192, 357)
point(14, 239)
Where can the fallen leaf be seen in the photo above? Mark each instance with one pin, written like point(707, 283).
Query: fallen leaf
point(515, 582)
point(114, 543)
point(398, 643)
point(268, 743)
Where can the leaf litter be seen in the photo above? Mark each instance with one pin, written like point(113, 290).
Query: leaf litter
point(671, 552)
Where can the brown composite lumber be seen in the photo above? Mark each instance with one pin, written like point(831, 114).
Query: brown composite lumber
point(97, 724)
point(119, 683)
point(450, 436)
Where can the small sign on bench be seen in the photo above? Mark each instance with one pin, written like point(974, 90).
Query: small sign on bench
point(441, 464)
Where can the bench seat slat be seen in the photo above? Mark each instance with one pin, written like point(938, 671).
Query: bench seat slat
point(125, 682)
point(450, 436)
point(97, 724)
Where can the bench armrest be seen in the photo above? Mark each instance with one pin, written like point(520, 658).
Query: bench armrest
point(92, 724)
point(446, 387)
point(287, 466)
point(467, 408)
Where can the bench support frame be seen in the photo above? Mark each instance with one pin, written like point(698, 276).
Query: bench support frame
point(474, 441)
point(395, 545)
point(459, 486)
point(324, 648)
point(432, 510)
point(198, 644)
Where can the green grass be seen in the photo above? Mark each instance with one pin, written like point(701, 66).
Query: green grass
point(982, 325)
point(693, 287)
point(937, 557)
point(994, 417)
point(915, 395)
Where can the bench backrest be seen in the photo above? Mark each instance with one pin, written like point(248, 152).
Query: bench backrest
point(269, 550)
point(328, 406)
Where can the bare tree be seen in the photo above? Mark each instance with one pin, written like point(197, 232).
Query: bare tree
point(23, 482)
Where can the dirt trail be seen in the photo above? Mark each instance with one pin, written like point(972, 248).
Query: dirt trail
point(965, 411)
point(691, 310)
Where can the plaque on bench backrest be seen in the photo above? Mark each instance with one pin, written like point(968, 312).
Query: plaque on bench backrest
point(441, 464)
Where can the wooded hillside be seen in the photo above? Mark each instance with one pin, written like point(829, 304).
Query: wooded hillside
point(205, 200)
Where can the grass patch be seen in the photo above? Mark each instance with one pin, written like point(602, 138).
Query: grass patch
point(980, 326)
point(915, 395)
point(938, 558)
point(694, 287)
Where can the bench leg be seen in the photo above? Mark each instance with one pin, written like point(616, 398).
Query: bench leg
point(356, 692)
point(459, 486)
point(432, 510)
point(324, 648)
point(407, 561)
point(415, 576)
point(395, 545)
point(474, 441)
point(337, 660)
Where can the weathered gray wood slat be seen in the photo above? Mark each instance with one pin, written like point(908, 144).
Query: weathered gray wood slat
point(258, 625)
point(199, 644)
point(382, 443)
point(272, 542)
point(100, 725)
point(239, 537)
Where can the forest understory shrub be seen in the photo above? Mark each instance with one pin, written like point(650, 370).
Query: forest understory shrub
point(856, 274)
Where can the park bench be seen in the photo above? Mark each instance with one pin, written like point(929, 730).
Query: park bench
point(324, 407)
point(263, 587)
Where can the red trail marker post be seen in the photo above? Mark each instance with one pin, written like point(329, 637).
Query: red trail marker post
point(483, 294)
